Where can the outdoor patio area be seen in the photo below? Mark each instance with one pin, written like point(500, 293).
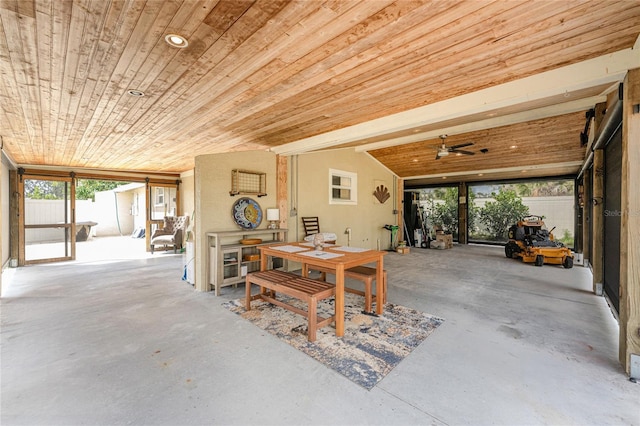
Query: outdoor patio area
point(97, 248)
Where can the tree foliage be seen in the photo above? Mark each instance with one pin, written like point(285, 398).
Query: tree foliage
point(446, 213)
point(37, 189)
point(491, 221)
point(543, 188)
point(442, 207)
point(87, 188)
point(500, 214)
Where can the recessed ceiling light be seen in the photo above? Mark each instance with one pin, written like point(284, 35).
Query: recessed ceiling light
point(480, 174)
point(513, 146)
point(136, 93)
point(176, 40)
point(444, 177)
point(415, 160)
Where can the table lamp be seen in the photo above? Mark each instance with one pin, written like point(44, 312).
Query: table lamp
point(273, 216)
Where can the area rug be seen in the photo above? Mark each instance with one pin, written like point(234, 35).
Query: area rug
point(371, 346)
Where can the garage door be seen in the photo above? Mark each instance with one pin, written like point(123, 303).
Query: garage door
point(612, 217)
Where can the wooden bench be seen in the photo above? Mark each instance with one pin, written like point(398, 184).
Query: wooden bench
point(305, 289)
point(365, 274)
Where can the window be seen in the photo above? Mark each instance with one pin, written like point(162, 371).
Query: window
point(343, 187)
point(163, 202)
point(159, 196)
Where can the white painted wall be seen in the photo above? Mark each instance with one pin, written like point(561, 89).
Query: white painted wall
point(187, 196)
point(366, 219)
point(138, 207)
point(212, 183)
point(112, 211)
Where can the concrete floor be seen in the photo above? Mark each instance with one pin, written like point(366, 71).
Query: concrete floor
point(127, 342)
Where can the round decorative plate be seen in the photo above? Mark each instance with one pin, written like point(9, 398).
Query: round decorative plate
point(247, 213)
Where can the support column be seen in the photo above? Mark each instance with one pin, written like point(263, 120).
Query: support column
point(14, 217)
point(400, 209)
point(597, 220)
point(462, 213)
point(586, 218)
point(630, 225)
point(282, 201)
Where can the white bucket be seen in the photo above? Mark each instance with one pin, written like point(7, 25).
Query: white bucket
point(417, 237)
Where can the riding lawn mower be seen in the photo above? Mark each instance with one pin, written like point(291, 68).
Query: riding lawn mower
point(530, 240)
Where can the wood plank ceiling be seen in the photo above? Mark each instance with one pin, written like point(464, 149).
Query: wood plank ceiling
point(265, 73)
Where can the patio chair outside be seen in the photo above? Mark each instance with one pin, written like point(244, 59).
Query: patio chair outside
point(171, 234)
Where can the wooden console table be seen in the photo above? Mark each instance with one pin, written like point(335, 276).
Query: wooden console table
point(229, 261)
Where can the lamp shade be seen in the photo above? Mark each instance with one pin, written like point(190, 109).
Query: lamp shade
point(273, 214)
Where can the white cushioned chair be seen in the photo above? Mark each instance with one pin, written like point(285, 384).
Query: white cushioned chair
point(171, 234)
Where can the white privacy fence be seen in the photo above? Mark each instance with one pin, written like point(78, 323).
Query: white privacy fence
point(557, 211)
point(116, 213)
point(40, 212)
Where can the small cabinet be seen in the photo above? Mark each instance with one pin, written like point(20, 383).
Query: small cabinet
point(230, 261)
point(231, 264)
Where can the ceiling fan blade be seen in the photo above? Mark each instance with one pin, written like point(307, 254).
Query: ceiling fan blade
point(462, 145)
point(461, 151)
point(437, 155)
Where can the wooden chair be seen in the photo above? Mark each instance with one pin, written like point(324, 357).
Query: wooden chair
point(311, 225)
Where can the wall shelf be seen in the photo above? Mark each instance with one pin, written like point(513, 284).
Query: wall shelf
point(245, 182)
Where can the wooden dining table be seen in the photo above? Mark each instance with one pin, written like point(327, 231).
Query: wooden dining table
point(337, 258)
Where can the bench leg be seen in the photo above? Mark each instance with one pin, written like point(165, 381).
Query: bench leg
point(384, 289)
point(368, 297)
point(384, 286)
point(312, 319)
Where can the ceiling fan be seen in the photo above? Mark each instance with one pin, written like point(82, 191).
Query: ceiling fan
point(444, 150)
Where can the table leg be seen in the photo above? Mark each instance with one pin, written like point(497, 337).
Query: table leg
point(380, 290)
point(263, 261)
point(247, 291)
point(339, 300)
point(263, 267)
